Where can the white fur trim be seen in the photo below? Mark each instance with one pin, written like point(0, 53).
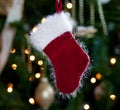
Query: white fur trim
point(54, 26)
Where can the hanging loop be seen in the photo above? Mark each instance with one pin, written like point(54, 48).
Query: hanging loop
point(58, 6)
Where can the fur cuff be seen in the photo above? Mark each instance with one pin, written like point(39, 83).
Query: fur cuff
point(54, 26)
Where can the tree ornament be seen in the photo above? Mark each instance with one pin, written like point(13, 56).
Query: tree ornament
point(44, 94)
point(102, 17)
point(69, 60)
point(82, 30)
point(100, 90)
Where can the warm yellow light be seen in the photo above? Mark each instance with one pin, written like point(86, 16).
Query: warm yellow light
point(113, 97)
point(27, 51)
point(37, 75)
point(12, 50)
point(32, 57)
point(43, 20)
point(98, 76)
point(14, 66)
point(93, 80)
point(42, 68)
point(34, 29)
point(31, 101)
point(69, 5)
point(86, 106)
point(113, 61)
point(40, 62)
point(10, 87)
point(31, 78)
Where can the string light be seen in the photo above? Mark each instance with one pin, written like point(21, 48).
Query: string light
point(69, 5)
point(26, 51)
point(40, 62)
point(43, 20)
point(93, 80)
point(10, 88)
point(113, 61)
point(34, 29)
point(86, 107)
point(37, 75)
point(113, 97)
point(32, 57)
point(14, 66)
point(31, 78)
point(42, 68)
point(98, 76)
point(12, 50)
point(31, 101)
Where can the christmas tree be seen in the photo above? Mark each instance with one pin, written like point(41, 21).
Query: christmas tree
point(25, 73)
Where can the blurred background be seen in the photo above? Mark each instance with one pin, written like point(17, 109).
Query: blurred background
point(25, 82)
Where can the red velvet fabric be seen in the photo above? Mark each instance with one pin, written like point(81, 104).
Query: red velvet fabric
point(69, 62)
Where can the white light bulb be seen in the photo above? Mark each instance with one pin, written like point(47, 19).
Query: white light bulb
point(31, 101)
point(93, 80)
point(32, 58)
point(40, 62)
point(113, 61)
point(69, 5)
point(37, 75)
point(113, 97)
point(9, 89)
point(34, 29)
point(43, 20)
point(86, 106)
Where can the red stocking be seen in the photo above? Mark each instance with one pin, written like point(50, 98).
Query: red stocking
point(69, 60)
